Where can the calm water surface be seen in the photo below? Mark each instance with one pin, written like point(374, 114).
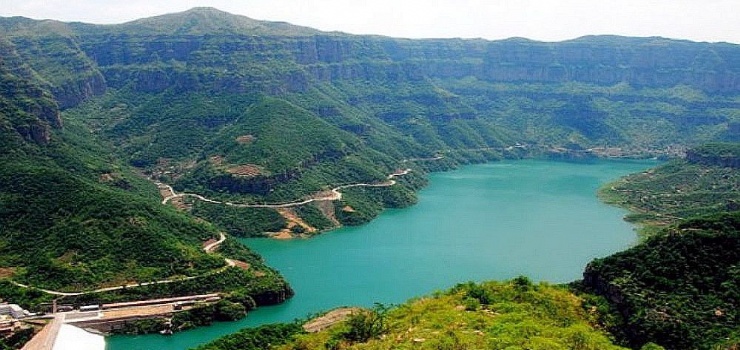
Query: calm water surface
point(489, 221)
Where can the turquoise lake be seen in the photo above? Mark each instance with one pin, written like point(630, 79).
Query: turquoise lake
point(488, 221)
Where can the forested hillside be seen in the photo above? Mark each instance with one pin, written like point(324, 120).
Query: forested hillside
point(264, 112)
point(73, 217)
point(707, 180)
point(679, 289)
point(254, 112)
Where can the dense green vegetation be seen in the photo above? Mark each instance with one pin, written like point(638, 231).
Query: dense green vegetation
point(72, 218)
point(27, 298)
point(491, 315)
point(313, 216)
point(17, 339)
point(259, 338)
point(265, 289)
point(75, 217)
point(249, 111)
point(260, 283)
point(680, 289)
point(703, 183)
point(361, 204)
point(240, 222)
point(257, 112)
point(239, 109)
point(716, 154)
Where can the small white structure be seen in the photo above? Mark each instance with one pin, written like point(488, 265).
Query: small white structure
point(73, 338)
point(90, 308)
point(13, 310)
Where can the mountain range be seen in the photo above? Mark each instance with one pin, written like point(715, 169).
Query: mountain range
point(247, 111)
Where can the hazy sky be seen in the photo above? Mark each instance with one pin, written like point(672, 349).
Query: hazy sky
point(548, 20)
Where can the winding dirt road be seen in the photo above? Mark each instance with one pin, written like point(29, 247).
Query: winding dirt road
point(208, 249)
point(334, 194)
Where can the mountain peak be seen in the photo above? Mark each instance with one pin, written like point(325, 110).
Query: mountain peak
point(209, 20)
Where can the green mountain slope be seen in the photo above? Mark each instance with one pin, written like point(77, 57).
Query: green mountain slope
point(200, 21)
point(491, 315)
point(258, 112)
point(292, 153)
point(706, 181)
point(73, 217)
point(680, 289)
point(185, 94)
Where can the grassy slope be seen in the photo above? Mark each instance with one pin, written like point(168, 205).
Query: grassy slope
point(491, 315)
point(676, 191)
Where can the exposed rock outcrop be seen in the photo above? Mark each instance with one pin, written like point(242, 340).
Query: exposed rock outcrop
point(26, 103)
point(274, 296)
point(641, 62)
point(727, 157)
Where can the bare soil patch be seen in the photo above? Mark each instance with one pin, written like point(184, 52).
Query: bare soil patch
point(246, 170)
point(285, 234)
point(179, 203)
point(216, 160)
point(331, 318)
point(165, 192)
point(293, 220)
point(107, 177)
point(245, 139)
point(241, 264)
point(327, 208)
point(138, 311)
point(6, 272)
point(209, 242)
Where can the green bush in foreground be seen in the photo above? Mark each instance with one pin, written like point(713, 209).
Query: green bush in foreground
point(504, 315)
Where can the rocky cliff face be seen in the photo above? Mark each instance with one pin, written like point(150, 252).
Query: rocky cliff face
point(294, 62)
point(25, 102)
point(52, 51)
point(273, 296)
point(722, 155)
point(72, 93)
point(242, 54)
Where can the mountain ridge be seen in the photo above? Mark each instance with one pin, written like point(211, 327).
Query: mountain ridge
point(207, 95)
point(180, 94)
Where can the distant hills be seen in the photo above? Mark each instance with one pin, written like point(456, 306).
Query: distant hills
point(266, 112)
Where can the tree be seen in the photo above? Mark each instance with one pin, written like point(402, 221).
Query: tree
point(367, 324)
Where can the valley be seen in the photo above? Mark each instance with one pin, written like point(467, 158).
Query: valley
point(136, 159)
point(487, 221)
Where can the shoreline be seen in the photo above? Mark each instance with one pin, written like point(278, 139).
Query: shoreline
point(557, 161)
